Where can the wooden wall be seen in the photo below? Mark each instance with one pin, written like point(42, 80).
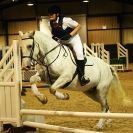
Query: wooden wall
point(2, 36)
point(12, 28)
point(104, 29)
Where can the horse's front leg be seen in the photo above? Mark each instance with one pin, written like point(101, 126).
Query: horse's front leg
point(36, 78)
point(60, 82)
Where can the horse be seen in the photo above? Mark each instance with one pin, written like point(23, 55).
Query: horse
point(60, 62)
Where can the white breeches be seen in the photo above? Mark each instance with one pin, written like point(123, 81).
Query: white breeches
point(77, 46)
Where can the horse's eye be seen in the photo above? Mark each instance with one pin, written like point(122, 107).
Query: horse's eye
point(29, 46)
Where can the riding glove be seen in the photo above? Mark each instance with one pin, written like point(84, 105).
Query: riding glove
point(66, 37)
point(55, 38)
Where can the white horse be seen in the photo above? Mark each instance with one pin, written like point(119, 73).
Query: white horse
point(59, 59)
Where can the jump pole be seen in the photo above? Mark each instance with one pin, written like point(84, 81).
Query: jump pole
point(78, 114)
point(56, 128)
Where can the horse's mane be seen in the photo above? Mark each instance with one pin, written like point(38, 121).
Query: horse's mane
point(42, 37)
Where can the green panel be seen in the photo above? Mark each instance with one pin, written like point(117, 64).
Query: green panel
point(121, 60)
point(114, 61)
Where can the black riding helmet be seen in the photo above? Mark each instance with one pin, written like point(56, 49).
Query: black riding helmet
point(54, 10)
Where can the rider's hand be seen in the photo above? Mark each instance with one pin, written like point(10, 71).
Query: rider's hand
point(55, 38)
point(66, 37)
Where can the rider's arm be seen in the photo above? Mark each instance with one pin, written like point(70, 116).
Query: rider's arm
point(75, 30)
point(72, 24)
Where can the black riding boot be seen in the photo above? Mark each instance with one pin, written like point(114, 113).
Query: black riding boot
point(80, 68)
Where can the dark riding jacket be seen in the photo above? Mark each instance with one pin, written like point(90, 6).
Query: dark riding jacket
point(57, 29)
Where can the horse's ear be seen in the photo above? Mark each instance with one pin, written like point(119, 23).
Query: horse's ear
point(21, 33)
point(31, 33)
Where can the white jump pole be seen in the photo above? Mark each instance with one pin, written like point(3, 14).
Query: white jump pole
point(56, 128)
point(78, 114)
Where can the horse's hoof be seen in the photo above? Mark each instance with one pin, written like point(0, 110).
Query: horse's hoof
point(52, 91)
point(23, 93)
point(42, 99)
point(24, 90)
point(66, 96)
point(109, 121)
point(98, 127)
point(62, 96)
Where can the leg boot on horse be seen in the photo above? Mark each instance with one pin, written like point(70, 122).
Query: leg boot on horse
point(80, 69)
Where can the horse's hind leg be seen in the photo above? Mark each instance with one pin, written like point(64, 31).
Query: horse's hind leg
point(105, 109)
point(102, 96)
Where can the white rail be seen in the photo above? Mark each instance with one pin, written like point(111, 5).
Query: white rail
point(56, 128)
point(88, 51)
point(101, 52)
point(123, 52)
point(78, 114)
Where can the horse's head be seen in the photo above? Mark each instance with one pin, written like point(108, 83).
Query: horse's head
point(27, 47)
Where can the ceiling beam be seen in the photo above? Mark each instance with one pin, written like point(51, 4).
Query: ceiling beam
point(125, 1)
point(37, 2)
point(11, 4)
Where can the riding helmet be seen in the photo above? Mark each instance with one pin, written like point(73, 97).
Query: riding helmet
point(54, 10)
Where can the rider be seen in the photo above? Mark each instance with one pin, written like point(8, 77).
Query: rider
point(65, 28)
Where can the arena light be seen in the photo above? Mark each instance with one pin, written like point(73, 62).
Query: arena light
point(30, 4)
point(85, 1)
point(14, 0)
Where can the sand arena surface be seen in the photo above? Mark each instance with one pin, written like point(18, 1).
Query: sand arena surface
point(80, 102)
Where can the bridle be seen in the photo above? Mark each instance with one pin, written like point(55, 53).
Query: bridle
point(40, 60)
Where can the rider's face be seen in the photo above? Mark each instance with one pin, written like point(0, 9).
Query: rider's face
point(53, 17)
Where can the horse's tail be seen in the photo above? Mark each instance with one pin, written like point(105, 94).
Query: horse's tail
point(117, 90)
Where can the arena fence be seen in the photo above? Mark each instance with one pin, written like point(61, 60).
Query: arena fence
point(25, 74)
point(99, 49)
point(88, 51)
point(10, 86)
point(122, 61)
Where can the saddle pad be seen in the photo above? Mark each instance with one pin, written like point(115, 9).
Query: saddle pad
point(89, 62)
